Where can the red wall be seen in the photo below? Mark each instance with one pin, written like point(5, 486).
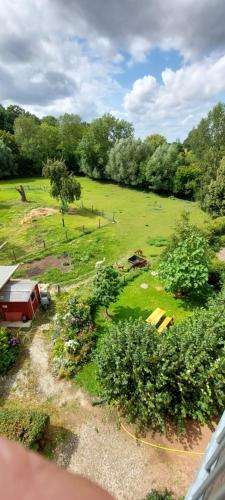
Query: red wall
point(14, 311)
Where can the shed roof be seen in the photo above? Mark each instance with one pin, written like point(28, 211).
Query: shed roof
point(5, 274)
point(17, 291)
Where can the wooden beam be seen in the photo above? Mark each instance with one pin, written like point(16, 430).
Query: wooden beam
point(3, 244)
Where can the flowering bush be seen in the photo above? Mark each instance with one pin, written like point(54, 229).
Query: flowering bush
point(8, 351)
point(73, 335)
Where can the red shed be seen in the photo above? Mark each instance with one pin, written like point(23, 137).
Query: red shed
point(19, 299)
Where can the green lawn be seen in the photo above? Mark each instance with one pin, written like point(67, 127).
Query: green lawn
point(144, 220)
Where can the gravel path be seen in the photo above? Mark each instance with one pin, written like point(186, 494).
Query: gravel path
point(95, 446)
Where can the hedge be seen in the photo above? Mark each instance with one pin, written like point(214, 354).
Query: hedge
point(27, 427)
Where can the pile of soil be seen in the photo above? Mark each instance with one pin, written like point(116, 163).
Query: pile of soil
point(39, 267)
point(36, 213)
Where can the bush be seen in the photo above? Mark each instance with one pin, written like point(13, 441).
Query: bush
point(159, 495)
point(173, 376)
point(73, 335)
point(214, 230)
point(216, 273)
point(184, 264)
point(27, 427)
point(8, 351)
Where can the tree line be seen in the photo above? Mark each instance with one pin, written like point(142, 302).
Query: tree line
point(107, 149)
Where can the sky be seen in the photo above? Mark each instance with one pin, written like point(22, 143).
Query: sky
point(157, 63)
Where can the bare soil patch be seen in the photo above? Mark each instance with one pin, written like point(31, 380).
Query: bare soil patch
point(36, 213)
point(39, 267)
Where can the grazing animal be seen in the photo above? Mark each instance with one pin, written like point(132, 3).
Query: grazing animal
point(139, 252)
point(120, 265)
point(100, 262)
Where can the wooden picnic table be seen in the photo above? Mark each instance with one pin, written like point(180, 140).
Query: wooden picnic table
point(166, 322)
point(157, 315)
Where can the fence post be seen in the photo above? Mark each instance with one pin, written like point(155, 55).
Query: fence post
point(66, 235)
point(99, 223)
point(44, 244)
point(83, 229)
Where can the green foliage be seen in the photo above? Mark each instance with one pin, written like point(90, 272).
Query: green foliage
point(207, 142)
point(185, 263)
point(214, 201)
point(214, 229)
point(162, 166)
point(160, 495)
point(64, 186)
point(8, 351)
point(175, 375)
point(154, 141)
point(25, 426)
point(106, 286)
point(73, 335)
point(71, 131)
point(186, 180)
point(7, 167)
point(216, 273)
point(126, 161)
point(96, 143)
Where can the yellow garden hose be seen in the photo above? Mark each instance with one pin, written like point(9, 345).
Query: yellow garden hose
point(158, 446)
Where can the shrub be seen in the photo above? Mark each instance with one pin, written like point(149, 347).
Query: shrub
point(216, 273)
point(159, 495)
point(27, 427)
point(73, 335)
point(174, 376)
point(184, 264)
point(106, 286)
point(214, 230)
point(8, 351)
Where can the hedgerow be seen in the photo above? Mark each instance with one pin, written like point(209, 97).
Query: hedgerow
point(27, 427)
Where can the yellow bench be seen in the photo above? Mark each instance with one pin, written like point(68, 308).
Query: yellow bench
point(166, 322)
point(156, 316)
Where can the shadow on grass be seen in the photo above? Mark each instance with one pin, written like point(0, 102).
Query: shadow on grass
point(60, 445)
point(191, 303)
point(124, 313)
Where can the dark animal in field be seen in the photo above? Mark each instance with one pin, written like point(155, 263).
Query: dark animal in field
point(139, 252)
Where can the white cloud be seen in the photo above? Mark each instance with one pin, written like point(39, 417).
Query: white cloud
point(64, 55)
point(177, 103)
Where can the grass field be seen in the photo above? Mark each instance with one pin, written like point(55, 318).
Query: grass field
point(143, 220)
point(128, 219)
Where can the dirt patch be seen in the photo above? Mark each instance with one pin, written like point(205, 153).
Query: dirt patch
point(221, 255)
point(36, 213)
point(127, 469)
point(39, 267)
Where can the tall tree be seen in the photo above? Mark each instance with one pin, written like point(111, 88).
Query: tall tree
point(71, 131)
point(96, 143)
point(214, 201)
point(64, 186)
point(154, 141)
point(162, 166)
point(127, 160)
point(7, 166)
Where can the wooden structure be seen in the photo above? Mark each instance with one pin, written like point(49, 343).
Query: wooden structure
point(137, 261)
point(19, 299)
point(159, 319)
